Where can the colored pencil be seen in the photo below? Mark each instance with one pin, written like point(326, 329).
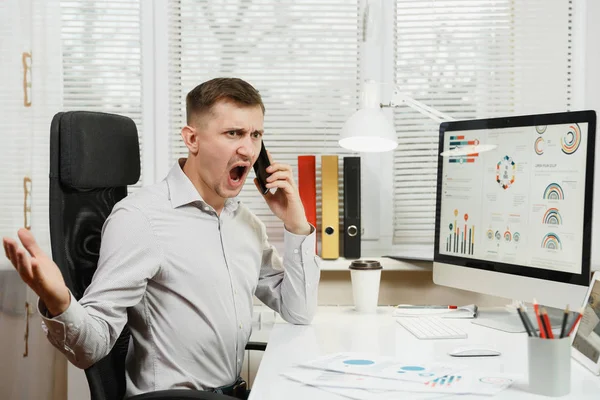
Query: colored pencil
point(574, 324)
point(546, 321)
point(536, 308)
point(528, 322)
point(564, 322)
point(520, 311)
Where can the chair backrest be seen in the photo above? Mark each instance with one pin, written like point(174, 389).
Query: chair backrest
point(93, 157)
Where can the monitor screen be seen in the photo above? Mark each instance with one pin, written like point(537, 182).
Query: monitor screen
point(514, 194)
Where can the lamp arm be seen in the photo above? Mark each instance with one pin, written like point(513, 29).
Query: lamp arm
point(398, 99)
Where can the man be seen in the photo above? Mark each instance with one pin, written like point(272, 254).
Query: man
point(181, 260)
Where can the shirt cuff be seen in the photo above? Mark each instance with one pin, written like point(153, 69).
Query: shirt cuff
point(64, 327)
point(300, 247)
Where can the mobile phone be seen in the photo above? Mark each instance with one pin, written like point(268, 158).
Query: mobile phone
point(260, 168)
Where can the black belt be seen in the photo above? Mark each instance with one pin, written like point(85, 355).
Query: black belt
point(238, 389)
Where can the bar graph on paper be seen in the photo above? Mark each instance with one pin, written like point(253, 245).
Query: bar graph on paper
point(461, 238)
point(446, 380)
point(458, 142)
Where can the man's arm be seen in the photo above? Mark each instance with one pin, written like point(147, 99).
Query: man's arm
point(290, 285)
point(129, 256)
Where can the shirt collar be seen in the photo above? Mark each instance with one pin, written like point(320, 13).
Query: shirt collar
point(182, 191)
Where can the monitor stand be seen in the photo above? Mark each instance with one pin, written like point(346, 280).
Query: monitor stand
point(507, 320)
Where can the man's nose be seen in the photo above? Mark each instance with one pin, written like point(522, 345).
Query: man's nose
point(247, 148)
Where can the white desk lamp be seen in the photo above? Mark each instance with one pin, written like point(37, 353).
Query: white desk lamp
point(369, 130)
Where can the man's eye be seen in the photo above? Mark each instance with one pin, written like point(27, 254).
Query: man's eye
point(256, 135)
point(232, 133)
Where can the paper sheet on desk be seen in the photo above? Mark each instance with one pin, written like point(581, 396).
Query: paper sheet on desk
point(364, 387)
point(468, 311)
point(353, 393)
point(361, 394)
point(382, 367)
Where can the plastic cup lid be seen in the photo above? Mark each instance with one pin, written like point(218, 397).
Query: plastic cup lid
point(366, 265)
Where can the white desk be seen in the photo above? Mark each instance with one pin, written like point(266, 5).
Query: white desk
point(337, 329)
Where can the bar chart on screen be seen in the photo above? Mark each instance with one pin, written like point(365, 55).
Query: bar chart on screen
point(463, 150)
point(461, 239)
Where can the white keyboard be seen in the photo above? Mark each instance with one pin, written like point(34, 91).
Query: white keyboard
point(431, 328)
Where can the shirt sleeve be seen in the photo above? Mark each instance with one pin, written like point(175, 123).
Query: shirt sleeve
point(129, 257)
point(290, 285)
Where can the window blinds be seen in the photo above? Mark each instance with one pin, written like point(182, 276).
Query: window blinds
point(31, 93)
point(101, 46)
point(469, 59)
point(303, 57)
point(14, 119)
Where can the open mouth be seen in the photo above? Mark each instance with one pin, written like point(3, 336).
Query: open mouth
point(236, 173)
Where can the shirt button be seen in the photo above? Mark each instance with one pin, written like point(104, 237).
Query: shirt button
point(295, 251)
point(241, 326)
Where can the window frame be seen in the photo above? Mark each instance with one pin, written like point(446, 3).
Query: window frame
point(377, 63)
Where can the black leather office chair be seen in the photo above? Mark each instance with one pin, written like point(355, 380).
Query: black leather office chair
point(93, 157)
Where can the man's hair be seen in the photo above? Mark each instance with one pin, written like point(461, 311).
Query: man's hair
point(200, 99)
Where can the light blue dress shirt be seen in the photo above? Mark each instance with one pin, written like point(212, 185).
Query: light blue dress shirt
point(183, 278)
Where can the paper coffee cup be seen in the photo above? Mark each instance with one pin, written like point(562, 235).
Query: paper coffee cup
point(365, 276)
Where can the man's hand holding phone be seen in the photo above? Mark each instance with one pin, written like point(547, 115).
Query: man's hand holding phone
point(285, 202)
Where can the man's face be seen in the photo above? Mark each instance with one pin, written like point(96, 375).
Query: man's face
point(229, 141)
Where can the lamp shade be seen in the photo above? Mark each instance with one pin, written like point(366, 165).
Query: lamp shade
point(368, 130)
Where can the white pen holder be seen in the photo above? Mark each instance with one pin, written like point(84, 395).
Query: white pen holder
point(549, 366)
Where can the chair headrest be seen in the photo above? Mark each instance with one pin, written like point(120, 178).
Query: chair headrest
point(97, 150)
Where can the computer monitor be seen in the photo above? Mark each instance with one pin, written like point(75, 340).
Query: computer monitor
point(514, 206)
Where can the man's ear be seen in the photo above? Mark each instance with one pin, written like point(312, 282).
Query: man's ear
point(190, 138)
